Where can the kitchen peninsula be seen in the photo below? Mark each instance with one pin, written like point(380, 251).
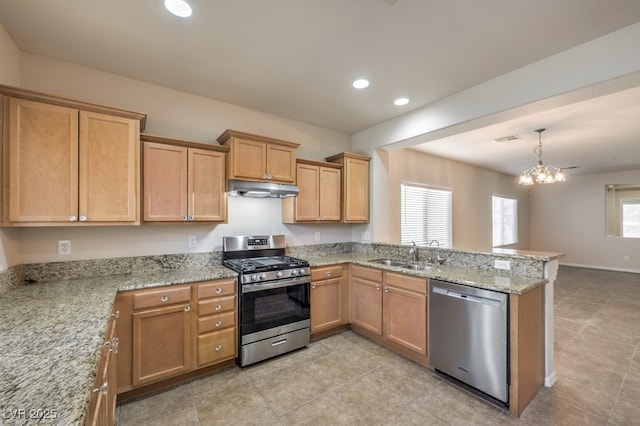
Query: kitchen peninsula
point(50, 359)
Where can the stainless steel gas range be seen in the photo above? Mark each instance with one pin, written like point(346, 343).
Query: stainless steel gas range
point(274, 296)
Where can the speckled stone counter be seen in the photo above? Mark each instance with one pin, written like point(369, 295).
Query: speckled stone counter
point(491, 280)
point(51, 335)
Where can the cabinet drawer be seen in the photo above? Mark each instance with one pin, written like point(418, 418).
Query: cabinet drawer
point(217, 288)
point(216, 322)
point(217, 346)
point(217, 305)
point(326, 272)
point(162, 297)
point(418, 285)
point(369, 274)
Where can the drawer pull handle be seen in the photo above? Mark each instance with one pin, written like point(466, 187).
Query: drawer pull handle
point(164, 299)
point(279, 342)
point(329, 273)
point(218, 348)
point(218, 323)
point(187, 308)
point(218, 307)
point(218, 290)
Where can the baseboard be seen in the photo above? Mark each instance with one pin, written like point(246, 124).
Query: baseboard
point(550, 380)
point(606, 268)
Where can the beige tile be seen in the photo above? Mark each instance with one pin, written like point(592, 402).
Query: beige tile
point(242, 405)
point(219, 382)
point(455, 406)
point(156, 407)
point(547, 410)
point(321, 411)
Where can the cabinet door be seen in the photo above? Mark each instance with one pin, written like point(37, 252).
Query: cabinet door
point(326, 304)
point(161, 343)
point(109, 168)
point(308, 200)
point(281, 163)
point(356, 191)
point(330, 194)
point(366, 304)
point(249, 160)
point(165, 182)
point(405, 318)
point(42, 162)
point(207, 192)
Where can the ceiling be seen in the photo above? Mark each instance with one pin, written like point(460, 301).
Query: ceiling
point(298, 58)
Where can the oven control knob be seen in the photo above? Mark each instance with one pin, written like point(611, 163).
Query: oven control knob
point(254, 277)
point(294, 272)
point(263, 276)
point(279, 274)
point(301, 271)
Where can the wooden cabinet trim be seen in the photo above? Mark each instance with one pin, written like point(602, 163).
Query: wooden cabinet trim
point(341, 156)
point(319, 163)
point(145, 137)
point(227, 134)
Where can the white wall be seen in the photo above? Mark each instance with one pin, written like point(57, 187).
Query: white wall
point(182, 115)
point(472, 188)
point(570, 218)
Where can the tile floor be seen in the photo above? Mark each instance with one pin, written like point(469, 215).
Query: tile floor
point(346, 379)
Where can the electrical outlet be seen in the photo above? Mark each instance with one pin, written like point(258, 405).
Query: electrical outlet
point(317, 236)
point(64, 247)
point(193, 241)
point(503, 264)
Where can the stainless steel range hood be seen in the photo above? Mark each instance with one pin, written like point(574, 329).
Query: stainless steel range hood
point(245, 188)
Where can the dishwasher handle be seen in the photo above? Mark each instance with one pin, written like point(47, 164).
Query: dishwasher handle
point(466, 297)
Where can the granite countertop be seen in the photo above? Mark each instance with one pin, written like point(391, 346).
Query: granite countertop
point(51, 335)
point(490, 280)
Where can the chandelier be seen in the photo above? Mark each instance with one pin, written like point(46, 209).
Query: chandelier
point(541, 173)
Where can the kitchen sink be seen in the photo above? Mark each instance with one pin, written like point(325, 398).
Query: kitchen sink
point(417, 267)
point(391, 262)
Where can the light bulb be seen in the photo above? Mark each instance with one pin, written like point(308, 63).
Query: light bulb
point(178, 7)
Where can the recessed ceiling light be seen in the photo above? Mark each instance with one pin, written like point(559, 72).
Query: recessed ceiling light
point(178, 7)
point(401, 101)
point(361, 83)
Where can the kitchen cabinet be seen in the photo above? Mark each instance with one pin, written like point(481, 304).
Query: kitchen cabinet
point(329, 298)
point(161, 333)
point(355, 186)
point(102, 403)
point(404, 307)
point(258, 158)
point(365, 309)
point(319, 198)
point(183, 181)
point(217, 321)
point(64, 165)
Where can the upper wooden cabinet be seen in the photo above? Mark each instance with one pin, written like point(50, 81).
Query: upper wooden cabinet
point(67, 163)
point(259, 158)
point(183, 181)
point(355, 186)
point(319, 198)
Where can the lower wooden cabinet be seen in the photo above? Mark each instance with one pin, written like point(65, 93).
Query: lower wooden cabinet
point(173, 330)
point(366, 299)
point(102, 404)
point(329, 298)
point(404, 308)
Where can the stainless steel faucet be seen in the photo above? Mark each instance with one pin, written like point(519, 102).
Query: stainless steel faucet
point(414, 252)
point(437, 260)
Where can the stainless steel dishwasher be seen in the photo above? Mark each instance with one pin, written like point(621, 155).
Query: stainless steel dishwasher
point(468, 336)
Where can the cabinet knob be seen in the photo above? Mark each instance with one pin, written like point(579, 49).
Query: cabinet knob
point(164, 299)
point(218, 347)
point(113, 344)
point(218, 290)
point(268, 176)
point(218, 323)
point(329, 273)
point(264, 176)
point(187, 308)
point(73, 218)
point(116, 314)
point(83, 218)
point(377, 286)
point(386, 289)
point(313, 285)
point(185, 218)
point(104, 389)
point(218, 307)
point(190, 218)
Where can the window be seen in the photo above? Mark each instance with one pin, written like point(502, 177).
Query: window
point(505, 221)
point(631, 218)
point(425, 215)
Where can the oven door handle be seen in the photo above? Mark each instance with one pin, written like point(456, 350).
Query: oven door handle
point(249, 288)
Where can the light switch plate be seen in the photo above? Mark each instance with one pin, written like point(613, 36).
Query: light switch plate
point(503, 264)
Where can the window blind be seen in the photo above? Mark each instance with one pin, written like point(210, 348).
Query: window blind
point(631, 218)
point(425, 215)
point(505, 221)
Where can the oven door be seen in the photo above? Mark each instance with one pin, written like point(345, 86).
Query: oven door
point(274, 304)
